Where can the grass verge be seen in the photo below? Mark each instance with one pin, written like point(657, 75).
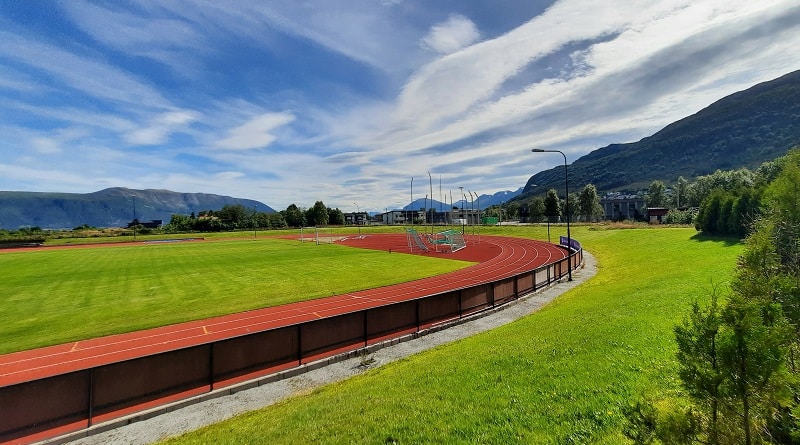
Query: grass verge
point(63, 295)
point(560, 376)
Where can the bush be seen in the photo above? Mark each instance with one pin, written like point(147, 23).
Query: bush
point(675, 216)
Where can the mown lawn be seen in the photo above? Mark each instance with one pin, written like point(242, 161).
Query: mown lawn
point(559, 376)
point(56, 296)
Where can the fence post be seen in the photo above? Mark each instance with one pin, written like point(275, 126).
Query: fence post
point(516, 287)
point(91, 398)
point(211, 366)
point(299, 345)
point(366, 332)
point(417, 310)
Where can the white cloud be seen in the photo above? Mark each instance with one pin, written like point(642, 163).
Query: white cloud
point(85, 74)
point(255, 133)
point(131, 32)
point(159, 129)
point(45, 145)
point(450, 36)
point(460, 95)
point(356, 30)
point(54, 141)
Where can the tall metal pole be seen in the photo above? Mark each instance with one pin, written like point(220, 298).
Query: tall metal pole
point(450, 211)
point(472, 211)
point(425, 209)
point(462, 209)
point(566, 190)
point(135, 221)
point(430, 181)
point(440, 194)
point(412, 201)
point(355, 218)
point(480, 221)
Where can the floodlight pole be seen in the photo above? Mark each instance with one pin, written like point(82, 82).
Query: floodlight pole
point(566, 191)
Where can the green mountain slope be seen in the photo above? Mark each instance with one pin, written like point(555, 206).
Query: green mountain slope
point(740, 130)
point(111, 207)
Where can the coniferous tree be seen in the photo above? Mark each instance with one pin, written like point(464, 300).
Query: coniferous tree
point(699, 361)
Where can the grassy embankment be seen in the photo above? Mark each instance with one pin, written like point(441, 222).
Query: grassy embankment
point(63, 295)
point(560, 376)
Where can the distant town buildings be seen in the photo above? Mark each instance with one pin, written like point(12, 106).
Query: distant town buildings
point(454, 216)
point(356, 218)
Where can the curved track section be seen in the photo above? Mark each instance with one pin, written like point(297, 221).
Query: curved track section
point(497, 257)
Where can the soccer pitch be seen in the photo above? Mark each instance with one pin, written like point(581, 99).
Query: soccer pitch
point(55, 296)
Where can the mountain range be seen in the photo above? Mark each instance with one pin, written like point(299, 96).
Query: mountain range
point(744, 129)
point(112, 207)
point(482, 201)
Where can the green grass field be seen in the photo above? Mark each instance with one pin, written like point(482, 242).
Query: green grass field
point(57, 296)
point(559, 376)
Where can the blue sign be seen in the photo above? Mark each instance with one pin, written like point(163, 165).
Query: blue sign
point(571, 243)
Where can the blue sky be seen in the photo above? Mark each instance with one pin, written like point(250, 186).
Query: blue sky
point(345, 101)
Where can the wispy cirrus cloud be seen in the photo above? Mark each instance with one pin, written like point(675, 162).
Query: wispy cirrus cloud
point(161, 126)
point(258, 132)
point(85, 74)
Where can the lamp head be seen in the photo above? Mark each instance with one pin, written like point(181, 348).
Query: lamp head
point(537, 150)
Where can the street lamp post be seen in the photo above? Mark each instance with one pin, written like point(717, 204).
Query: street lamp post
point(566, 191)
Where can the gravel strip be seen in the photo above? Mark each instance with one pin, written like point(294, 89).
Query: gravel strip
point(162, 423)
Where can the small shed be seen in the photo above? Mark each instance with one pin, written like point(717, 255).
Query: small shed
point(656, 215)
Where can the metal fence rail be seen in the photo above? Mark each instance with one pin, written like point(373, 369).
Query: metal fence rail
point(70, 402)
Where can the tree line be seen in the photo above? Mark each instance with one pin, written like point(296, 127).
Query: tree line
point(737, 357)
point(238, 217)
point(724, 203)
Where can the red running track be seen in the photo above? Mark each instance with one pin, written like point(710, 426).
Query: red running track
point(497, 257)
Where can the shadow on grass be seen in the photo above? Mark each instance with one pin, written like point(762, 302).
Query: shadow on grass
point(726, 240)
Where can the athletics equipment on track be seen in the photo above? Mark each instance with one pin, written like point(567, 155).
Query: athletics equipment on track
point(451, 240)
point(413, 239)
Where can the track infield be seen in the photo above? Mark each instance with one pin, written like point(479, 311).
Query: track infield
point(497, 258)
